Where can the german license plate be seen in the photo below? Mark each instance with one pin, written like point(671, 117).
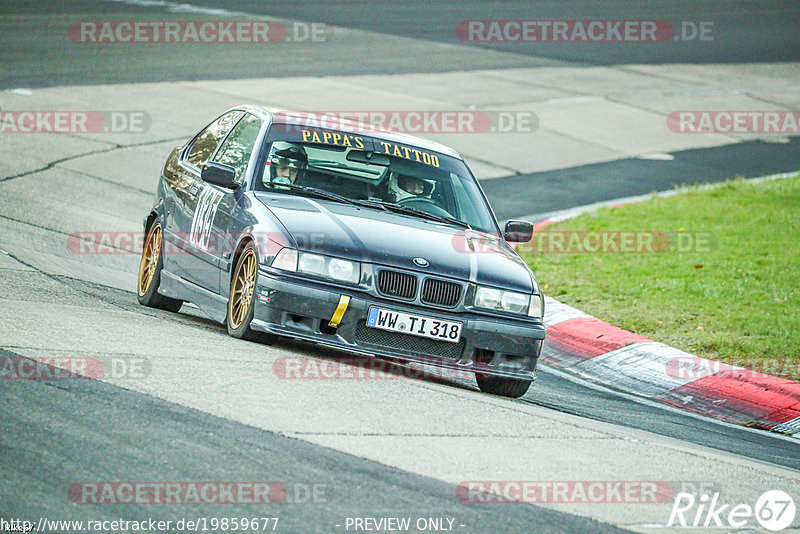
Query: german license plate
point(416, 325)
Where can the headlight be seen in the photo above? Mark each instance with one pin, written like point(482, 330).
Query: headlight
point(286, 260)
point(498, 300)
point(488, 298)
point(342, 270)
point(311, 264)
point(318, 265)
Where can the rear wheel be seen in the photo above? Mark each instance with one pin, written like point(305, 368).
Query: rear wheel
point(150, 274)
point(506, 387)
point(243, 289)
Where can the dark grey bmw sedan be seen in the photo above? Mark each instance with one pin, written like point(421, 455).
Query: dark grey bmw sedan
point(360, 239)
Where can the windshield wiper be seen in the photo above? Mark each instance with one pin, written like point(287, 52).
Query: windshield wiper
point(371, 204)
point(311, 191)
point(408, 210)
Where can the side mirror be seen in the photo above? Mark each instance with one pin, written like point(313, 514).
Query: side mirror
point(219, 174)
point(518, 231)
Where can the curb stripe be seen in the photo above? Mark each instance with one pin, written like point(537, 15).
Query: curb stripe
point(592, 337)
point(790, 427)
point(627, 361)
point(745, 398)
point(640, 368)
point(555, 312)
point(541, 224)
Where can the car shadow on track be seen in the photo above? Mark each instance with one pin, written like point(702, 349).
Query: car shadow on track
point(332, 363)
point(321, 362)
point(304, 356)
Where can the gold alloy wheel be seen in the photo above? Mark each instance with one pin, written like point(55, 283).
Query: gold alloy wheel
point(150, 254)
point(242, 289)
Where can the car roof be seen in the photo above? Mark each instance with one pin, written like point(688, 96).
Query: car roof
point(348, 126)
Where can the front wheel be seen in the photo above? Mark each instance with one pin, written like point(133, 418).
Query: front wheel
point(505, 387)
point(150, 274)
point(243, 289)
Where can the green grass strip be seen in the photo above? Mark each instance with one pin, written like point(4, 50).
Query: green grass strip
point(722, 282)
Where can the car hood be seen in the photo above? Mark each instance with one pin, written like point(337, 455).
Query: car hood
point(391, 239)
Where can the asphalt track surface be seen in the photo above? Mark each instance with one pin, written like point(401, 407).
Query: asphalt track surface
point(35, 55)
point(561, 189)
point(54, 433)
point(170, 442)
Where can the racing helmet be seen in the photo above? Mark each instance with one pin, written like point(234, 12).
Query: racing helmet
point(286, 162)
point(403, 186)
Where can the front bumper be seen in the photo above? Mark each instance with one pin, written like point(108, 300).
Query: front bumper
point(302, 309)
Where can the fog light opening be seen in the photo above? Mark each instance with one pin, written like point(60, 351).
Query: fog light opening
point(327, 330)
point(484, 356)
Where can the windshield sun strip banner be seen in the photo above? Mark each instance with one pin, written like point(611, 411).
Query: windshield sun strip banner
point(319, 136)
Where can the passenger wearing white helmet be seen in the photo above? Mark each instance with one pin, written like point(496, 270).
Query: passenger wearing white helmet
point(286, 162)
point(402, 186)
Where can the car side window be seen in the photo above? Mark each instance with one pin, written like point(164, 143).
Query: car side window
point(239, 145)
point(207, 141)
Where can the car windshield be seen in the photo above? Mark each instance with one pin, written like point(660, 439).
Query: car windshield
point(374, 173)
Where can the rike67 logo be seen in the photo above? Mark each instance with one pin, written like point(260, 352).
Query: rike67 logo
point(774, 510)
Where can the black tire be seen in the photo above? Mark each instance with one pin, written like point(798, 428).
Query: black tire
point(505, 387)
point(242, 287)
point(150, 273)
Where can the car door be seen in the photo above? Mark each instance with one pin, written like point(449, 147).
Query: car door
point(194, 206)
point(236, 151)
